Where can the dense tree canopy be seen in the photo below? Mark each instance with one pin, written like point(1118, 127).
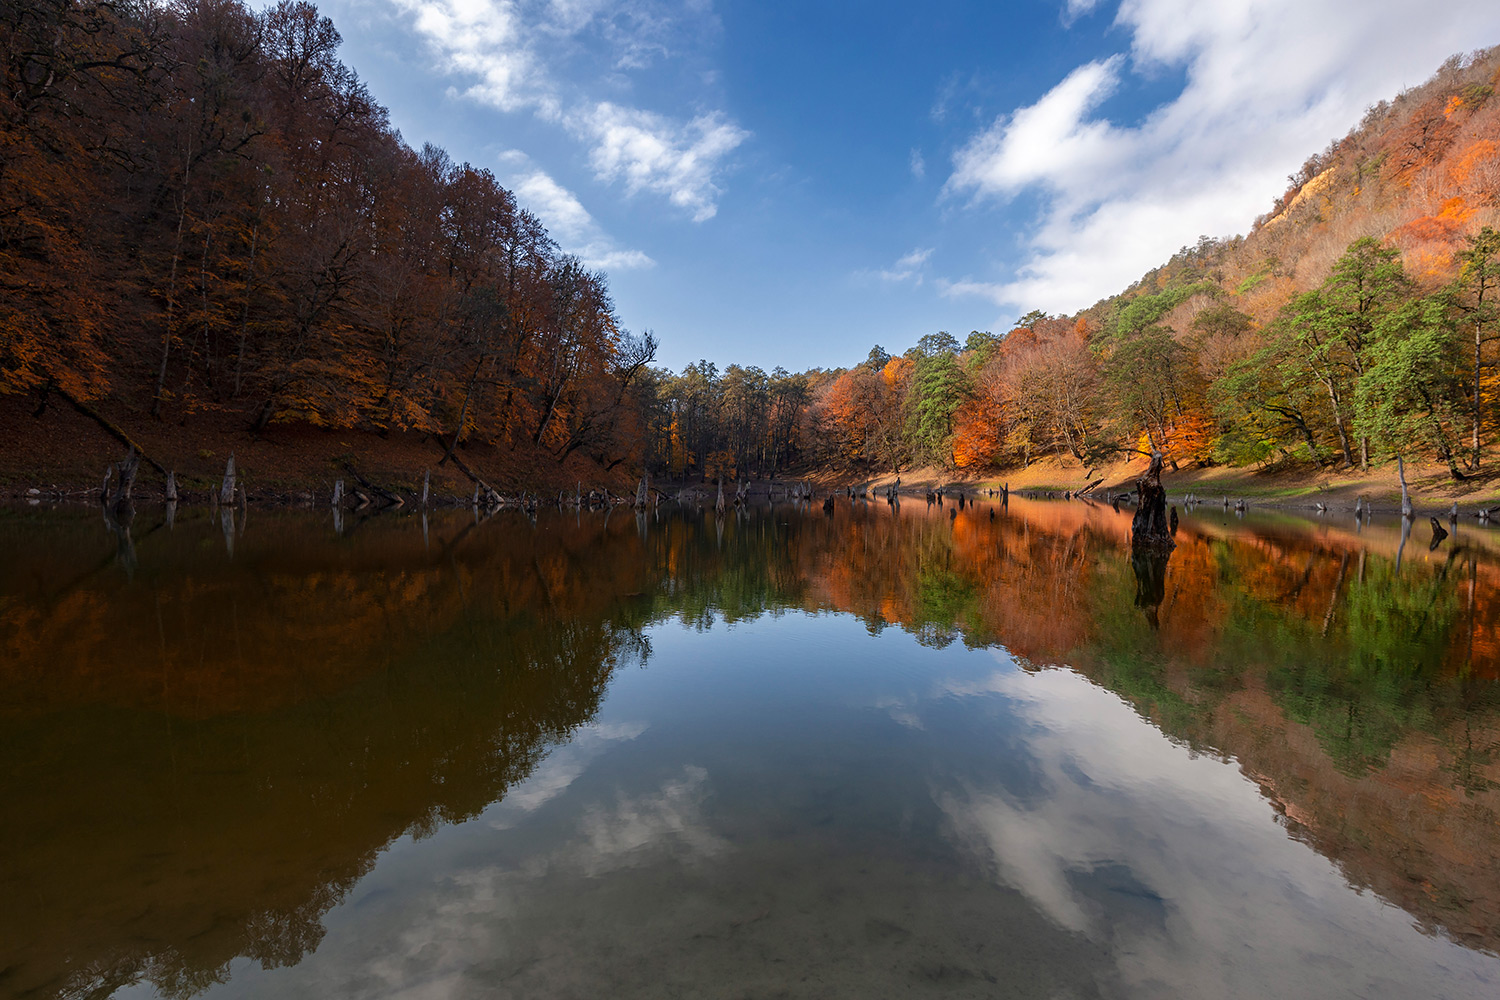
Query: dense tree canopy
point(201, 206)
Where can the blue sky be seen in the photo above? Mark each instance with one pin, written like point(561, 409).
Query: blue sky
point(790, 183)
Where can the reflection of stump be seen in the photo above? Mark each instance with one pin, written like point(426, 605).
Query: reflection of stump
point(1150, 566)
point(1150, 528)
point(1151, 542)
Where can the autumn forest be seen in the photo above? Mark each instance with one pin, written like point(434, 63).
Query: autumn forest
point(205, 214)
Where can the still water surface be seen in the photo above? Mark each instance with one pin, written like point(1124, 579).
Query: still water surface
point(779, 753)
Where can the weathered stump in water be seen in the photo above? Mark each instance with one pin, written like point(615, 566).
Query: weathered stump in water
point(125, 482)
point(1150, 528)
point(226, 492)
point(1407, 511)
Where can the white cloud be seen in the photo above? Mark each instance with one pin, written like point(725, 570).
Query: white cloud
point(653, 153)
point(1074, 9)
point(486, 40)
point(1268, 83)
point(525, 57)
point(1051, 143)
point(908, 268)
point(557, 207)
point(992, 290)
point(571, 225)
point(918, 164)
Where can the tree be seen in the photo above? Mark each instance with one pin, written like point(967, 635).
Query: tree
point(1367, 283)
point(1477, 287)
point(1329, 332)
point(1265, 401)
point(939, 387)
point(934, 345)
point(979, 348)
point(1150, 379)
point(1413, 377)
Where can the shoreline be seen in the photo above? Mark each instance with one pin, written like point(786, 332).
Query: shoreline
point(63, 457)
point(693, 494)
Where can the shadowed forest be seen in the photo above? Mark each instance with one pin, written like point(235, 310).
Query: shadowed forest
point(202, 209)
point(207, 222)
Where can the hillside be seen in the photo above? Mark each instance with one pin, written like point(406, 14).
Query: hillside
point(1355, 322)
point(211, 236)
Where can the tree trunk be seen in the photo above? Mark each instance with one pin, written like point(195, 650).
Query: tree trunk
point(1474, 461)
point(1338, 423)
point(226, 492)
point(1406, 507)
point(171, 319)
point(239, 363)
point(1150, 528)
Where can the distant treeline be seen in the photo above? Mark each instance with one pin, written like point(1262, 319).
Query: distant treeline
point(201, 207)
point(1357, 321)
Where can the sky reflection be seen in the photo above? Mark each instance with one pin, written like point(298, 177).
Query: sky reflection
point(899, 820)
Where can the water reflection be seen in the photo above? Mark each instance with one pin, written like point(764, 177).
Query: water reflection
point(212, 732)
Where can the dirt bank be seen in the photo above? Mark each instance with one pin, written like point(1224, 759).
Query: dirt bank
point(1431, 487)
point(64, 452)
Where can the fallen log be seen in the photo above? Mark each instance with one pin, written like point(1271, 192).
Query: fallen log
point(479, 484)
point(109, 427)
point(390, 498)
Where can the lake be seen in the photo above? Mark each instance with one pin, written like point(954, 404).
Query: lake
point(878, 752)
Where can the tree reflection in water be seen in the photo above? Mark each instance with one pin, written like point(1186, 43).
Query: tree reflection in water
point(206, 749)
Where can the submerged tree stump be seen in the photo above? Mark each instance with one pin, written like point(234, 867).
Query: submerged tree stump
point(226, 491)
point(1150, 528)
point(126, 481)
